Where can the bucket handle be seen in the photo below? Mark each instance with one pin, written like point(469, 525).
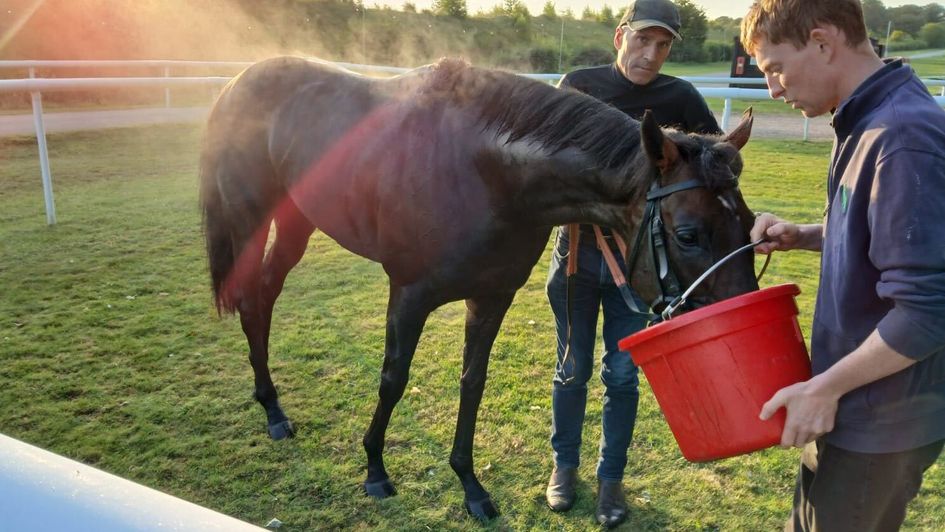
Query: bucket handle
point(681, 300)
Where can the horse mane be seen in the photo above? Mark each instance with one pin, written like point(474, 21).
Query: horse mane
point(518, 108)
point(521, 108)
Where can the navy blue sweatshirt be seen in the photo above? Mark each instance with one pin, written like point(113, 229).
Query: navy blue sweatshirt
point(883, 262)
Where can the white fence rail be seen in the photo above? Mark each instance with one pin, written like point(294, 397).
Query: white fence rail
point(36, 86)
point(40, 490)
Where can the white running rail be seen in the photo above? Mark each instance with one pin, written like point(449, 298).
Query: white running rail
point(36, 86)
point(40, 490)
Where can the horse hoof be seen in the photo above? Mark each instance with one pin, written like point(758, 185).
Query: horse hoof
point(483, 510)
point(380, 489)
point(281, 430)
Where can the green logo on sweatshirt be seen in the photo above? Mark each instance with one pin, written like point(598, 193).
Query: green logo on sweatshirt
point(844, 198)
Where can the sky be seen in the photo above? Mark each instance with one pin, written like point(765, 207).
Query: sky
point(713, 8)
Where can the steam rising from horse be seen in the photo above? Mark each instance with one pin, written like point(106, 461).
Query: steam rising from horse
point(451, 177)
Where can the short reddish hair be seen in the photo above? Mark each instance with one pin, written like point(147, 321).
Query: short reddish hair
point(792, 21)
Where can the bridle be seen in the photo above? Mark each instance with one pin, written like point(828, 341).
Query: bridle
point(671, 297)
point(652, 226)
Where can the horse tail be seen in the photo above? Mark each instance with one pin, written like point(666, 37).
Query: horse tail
point(238, 194)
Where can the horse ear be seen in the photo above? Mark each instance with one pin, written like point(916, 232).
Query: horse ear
point(739, 137)
point(662, 151)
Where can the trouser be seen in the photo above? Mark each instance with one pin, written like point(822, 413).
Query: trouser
point(841, 490)
point(593, 289)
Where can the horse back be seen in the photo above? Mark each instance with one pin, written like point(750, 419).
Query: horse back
point(387, 168)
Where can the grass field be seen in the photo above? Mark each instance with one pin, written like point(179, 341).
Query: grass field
point(111, 354)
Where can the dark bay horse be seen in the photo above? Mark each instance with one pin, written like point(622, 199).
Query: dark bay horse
point(451, 177)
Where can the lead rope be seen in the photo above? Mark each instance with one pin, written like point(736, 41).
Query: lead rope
point(765, 267)
point(574, 238)
point(681, 300)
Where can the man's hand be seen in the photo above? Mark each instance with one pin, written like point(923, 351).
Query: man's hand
point(810, 412)
point(782, 235)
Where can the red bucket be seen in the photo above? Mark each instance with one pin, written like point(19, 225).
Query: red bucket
point(712, 369)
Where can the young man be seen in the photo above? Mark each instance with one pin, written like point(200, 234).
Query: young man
point(632, 84)
point(872, 418)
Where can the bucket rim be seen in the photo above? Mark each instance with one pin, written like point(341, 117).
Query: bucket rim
point(709, 311)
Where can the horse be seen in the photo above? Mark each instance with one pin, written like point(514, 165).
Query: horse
point(452, 178)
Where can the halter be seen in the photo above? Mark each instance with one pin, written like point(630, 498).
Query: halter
point(652, 225)
point(671, 296)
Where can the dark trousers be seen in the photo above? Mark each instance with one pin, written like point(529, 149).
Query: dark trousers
point(594, 290)
point(840, 490)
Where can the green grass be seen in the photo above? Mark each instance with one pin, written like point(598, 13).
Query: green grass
point(111, 354)
point(929, 67)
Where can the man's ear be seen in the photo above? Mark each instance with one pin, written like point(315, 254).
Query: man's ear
point(826, 40)
point(618, 37)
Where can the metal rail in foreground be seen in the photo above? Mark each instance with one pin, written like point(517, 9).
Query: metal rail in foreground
point(40, 490)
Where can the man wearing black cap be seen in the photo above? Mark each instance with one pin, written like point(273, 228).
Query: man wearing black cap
point(632, 84)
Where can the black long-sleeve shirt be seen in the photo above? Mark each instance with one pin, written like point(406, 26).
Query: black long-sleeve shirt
point(674, 102)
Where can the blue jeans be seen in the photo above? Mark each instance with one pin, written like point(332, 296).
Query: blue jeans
point(593, 289)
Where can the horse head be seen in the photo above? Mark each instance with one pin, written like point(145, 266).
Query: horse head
point(693, 216)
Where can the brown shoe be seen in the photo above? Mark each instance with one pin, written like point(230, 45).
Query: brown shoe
point(611, 503)
point(561, 489)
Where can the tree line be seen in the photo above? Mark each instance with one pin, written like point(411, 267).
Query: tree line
point(506, 36)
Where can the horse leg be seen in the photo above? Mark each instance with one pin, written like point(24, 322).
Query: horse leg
point(483, 317)
point(292, 233)
point(406, 314)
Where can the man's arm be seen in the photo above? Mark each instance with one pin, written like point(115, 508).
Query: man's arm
point(782, 235)
point(812, 405)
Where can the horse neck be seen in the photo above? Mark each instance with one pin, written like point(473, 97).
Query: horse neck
point(570, 187)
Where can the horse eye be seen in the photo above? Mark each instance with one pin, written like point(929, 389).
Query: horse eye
point(687, 237)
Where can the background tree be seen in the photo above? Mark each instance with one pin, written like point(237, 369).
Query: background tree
point(694, 30)
point(874, 12)
point(934, 13)
point(519, 18)
point(543, 59)
point(933, 34)
point(451, 8)
point(549, 10)
point(410, 7)
point(588, 14)
point(908, 18)
point(593, 56)
point(606, 17)
point(725, 28)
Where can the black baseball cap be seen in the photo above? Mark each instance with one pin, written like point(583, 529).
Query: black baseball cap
point(642, 14)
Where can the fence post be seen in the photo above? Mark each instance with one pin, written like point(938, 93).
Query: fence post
point(37, 99)
point(167, 90)
point(806, 128)
point(726, 113)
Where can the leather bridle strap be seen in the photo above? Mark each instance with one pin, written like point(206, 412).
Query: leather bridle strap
point(652, 223)
point(666, 280)
point(618, 276)
point(574, 238)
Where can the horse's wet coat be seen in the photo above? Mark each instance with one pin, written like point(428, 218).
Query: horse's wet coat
point(452, 178)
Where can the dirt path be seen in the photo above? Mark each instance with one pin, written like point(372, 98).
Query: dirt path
point(22, 124)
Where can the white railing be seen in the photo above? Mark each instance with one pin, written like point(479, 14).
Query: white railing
point(40, 490)
point(36, 86)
